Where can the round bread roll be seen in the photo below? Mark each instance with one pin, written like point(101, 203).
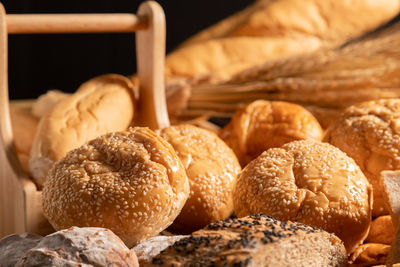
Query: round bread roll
point(370, 133)
point(47, 101)
point(311, 182)
point(131, 182)
point(101, 105)
point(263, 124)
point(211, 167)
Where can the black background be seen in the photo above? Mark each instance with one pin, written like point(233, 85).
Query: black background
point(38, 63)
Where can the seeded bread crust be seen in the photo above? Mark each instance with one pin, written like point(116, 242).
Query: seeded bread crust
point(255, 240)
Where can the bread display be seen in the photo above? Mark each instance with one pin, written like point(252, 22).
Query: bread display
point(311, 182)
point(131, 182)
point(263, 124)
point(101, 105)
point(211, 167)
point(24, 126)
point(79, 247)
point(256, 240)
point(369, 133)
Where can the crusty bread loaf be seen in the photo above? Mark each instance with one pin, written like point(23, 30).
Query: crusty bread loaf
point(262, 124)
point(275, 29)
point(257, 240)
point(24, 126)
point(369, 132)
point(310, 182)
point(211, 167)
point(131, 182)
point(101, 105)
point(79, 247)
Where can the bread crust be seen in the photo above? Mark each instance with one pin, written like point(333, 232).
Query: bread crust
point(101, 105)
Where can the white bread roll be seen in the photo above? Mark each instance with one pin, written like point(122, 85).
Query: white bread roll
point(101, 105)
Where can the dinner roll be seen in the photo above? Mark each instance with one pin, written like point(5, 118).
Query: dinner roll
point(47, 101)
point(101, 105)
point(131, 182)
point(211, 167)
point(264, 124)
point(310, 182)
point(370, 133)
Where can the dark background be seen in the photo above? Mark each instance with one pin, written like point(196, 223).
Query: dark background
point(38, 63)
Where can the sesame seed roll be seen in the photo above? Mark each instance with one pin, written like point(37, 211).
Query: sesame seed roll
point(131, 182)
point(211, 167)
point(370, 133)
point(311, 182)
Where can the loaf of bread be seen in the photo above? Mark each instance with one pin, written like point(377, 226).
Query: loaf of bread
point(13, 247)
point(47, 101)
point(275, 29)
point(101, 105)
point(256, 240)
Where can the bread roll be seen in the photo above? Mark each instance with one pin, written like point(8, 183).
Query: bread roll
point(24, 126)
point(256, 240)
point(310, 182)
point(370, 133)
point(101, 105)
point(79, 247)
point(211, 167)
point(131, 182)
point(369, 254)
point(264, 124)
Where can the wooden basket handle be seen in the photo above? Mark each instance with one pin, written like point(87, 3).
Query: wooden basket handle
point(150, 43)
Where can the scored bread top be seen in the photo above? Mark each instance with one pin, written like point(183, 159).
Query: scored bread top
point(255, 240)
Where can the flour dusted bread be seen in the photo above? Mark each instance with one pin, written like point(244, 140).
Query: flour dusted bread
point(256, 240)
point(80, 247)
point(101, 105)
point(265, 124)
point(211, 167)
point(13, 247)
point(369, 132)
point(131, 182)
point(310, 182)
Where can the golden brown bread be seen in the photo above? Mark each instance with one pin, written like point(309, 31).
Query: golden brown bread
point(382, 231)
point(47, 101)
point(101, 105)
point(211, 167)
point(264, 124)
point(131, 182)
point(24, 126)
point(269, 30)
point(310, 182)
point(369, 132)
point(369, 254)
point(256, 240)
